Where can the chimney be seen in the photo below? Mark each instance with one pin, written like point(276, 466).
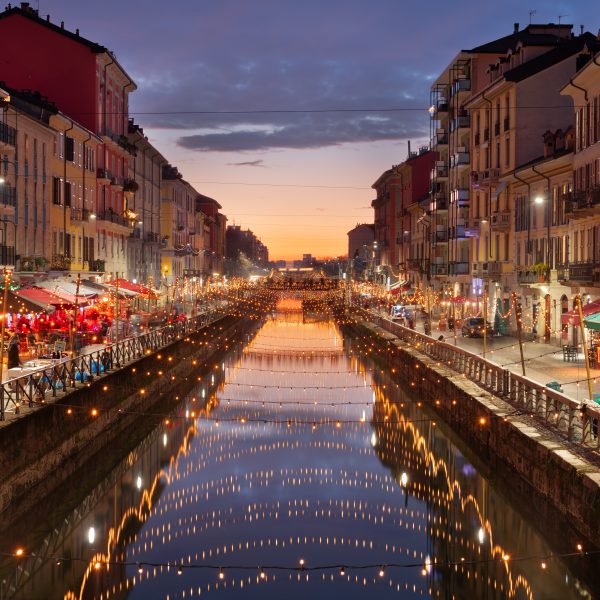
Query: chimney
point(48, 18)
point(77, 31)
point(62, 24)
point(516, 28)
point(24, 5)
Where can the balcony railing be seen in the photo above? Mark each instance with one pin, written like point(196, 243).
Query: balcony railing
point(501, 220)
point(8, 134)
point(456, 232)
point(60, 263)
point(461, 85)
point(80, 214)
point(461, 122)
point(462, 198)
point(438, 269)
point(8, 195)
point(461, 158)
point(458, 268)
point(440, 202)
point(7, 255)
point(439, 236)
point(577, 272)
point(113, 217)
point(533, 277)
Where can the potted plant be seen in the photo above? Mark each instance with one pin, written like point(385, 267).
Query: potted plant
point(26, 263)
point(40, 263)
point(541, 269)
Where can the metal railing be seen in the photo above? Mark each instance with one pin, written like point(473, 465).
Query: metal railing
point(578, 422)
point(44, 383)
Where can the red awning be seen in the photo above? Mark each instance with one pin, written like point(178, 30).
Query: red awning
point(45, 298)
point(129, 286)
point(572, 317)
point(399, 286)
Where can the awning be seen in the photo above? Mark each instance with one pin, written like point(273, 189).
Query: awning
point(592, 322)
point(45, 298)
point(70, 287)
point(572, 317)
point(19, 304)
point(135, 288)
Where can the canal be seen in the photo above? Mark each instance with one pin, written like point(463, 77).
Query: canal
point(297, 468)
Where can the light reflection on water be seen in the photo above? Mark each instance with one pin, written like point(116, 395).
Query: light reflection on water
point(333, 465)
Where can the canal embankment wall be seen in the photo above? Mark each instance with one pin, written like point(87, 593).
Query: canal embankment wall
point(502, 436)
point(46, 446)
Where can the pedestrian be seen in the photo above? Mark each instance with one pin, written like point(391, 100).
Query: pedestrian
point(13, 351)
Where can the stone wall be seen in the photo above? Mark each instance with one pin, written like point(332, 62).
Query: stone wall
point(550, 465)
point(47, 445)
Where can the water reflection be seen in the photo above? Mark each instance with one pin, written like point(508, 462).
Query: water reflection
point(304, 456)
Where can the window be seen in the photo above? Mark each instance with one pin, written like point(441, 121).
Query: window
point(507, 152)
point(61, 144)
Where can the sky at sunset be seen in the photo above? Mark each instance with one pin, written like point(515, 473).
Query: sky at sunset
point(224, 86)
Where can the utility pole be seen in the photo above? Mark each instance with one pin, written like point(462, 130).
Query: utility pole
point(484, 320)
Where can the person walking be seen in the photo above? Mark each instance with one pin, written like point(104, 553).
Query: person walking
point(13, 351)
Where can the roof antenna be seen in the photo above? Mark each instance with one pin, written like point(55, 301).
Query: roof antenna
point(561, 17)
point(531, 13)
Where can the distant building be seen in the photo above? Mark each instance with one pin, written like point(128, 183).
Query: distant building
point(244, 241)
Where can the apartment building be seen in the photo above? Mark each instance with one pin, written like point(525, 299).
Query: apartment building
point(87, 83)
point(26, 142)
point(579, 265)
point(472, 128)
point(143, 193)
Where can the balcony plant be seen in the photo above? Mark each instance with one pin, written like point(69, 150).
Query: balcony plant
point(40, 263)
point(541, 269)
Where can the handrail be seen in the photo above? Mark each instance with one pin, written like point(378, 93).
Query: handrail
point(579, 422)
point(71, 373)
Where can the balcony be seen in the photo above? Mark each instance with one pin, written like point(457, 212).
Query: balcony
point(103, 176)
point(441, 138)
point(7, 255)
point(8, 196)
point(130, 186)
point(461, 196)
point(113, 217)
point(440, 202)
point(458, 268)
point(441, 170)
point(480, 269)
point(525, 277)
point(461, 159)
point(472, 227)
point(97, 266)
point(135, 234)
point(117, 183)
point(60, 263)
point(441, 106)
point(457, 232)
point(490, 176)
point(497, 268)
point(586, 203)
point(460, 122)
point(151, 236)
point(80, 214)
point(461, 85)
point(577, 273)
point(501, 220)
point(438, 269)
point(8, 137)
point(439, 237)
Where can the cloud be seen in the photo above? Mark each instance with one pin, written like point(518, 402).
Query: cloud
point(307, 131)
point(249, 163)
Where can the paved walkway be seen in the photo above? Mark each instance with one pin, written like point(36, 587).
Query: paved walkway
point(543, 362)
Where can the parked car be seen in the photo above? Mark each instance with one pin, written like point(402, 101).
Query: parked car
point(398, 312)
point(473, 327)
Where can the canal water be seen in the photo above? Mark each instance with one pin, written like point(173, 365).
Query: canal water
point(296, 469)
